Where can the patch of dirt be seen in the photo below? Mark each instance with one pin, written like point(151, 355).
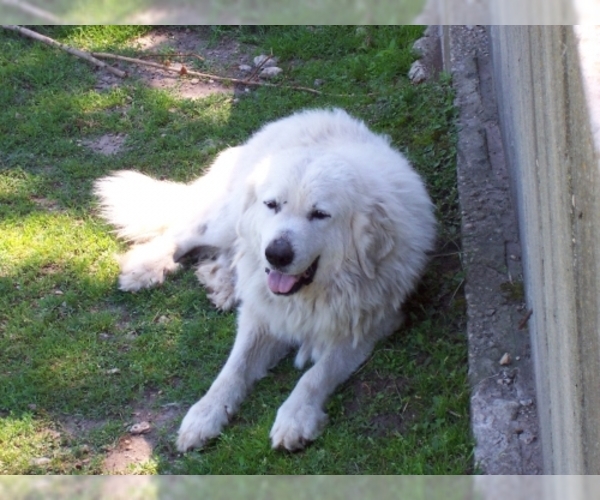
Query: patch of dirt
point(135, 449)
point(74, 426)
point(107, 145)
point(370, 386)
point(129, 451)
point(199, 53)
point(46, 204)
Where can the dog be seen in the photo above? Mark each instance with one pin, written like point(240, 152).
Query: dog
point(316, 229)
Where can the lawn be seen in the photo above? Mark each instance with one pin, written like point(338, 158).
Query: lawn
point(80, 361)
point(210, 11)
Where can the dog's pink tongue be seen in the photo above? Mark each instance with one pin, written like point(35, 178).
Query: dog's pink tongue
point(280, 283)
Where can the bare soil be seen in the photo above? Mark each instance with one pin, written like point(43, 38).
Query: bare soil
point(199, 51)
point(135, 449)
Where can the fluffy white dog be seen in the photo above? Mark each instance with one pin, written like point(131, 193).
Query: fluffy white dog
point(316, 227)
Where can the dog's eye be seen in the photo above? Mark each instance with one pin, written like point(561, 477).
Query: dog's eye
point(318, 214)
point(272, 205)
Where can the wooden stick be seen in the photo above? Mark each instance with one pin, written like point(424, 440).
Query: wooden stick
point(170, 56)
point(184, 71)
point(53, 43)
point(32, 10)
point(525, 319)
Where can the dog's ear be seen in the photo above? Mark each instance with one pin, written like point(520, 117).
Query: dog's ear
point(249, 197)
point(372, 234)
point(245, 221)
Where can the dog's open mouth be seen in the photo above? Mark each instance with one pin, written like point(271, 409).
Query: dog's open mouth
point(287, 284)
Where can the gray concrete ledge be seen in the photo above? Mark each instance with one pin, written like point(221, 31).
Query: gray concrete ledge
point(503, 403)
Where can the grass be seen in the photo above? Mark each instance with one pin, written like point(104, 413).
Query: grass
point(229, 11)
point(243, 487)
point(78, 357)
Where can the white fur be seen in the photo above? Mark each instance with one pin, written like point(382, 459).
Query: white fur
point(371, 248)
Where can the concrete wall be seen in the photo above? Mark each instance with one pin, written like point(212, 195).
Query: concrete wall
point(547, 81)
point(518, 12)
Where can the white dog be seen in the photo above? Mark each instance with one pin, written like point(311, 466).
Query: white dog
point(316, 227)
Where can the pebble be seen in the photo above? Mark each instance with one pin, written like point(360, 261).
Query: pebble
point(505, 359)
point(270, 72)
point(40, 461)
point(417, 72)
point(140, 428)
point(265, 60)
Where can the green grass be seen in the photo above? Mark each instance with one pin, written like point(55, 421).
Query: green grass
point(211, 11)
point(65, 328)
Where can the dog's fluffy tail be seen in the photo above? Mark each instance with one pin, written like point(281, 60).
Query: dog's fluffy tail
point(139, 206)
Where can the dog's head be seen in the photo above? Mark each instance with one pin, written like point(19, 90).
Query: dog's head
point(309, 218)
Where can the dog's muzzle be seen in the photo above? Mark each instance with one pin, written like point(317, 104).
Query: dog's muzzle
point(287, 284)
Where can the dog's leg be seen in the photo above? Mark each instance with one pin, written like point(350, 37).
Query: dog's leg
point(253, 353)
point(218, 276)
point(301, 417)
point(147, 264)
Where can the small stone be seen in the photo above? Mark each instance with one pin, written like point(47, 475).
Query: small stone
point(265, 61)
point(41, 461)
point(505, 359)
point(113, 371)
point(270, 72)
point(417, 72)
point(195, 81)
point(318, 82)
point(245, 68)
point(140, 428)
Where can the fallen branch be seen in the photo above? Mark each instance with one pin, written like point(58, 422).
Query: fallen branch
point(171, 56)
point(525, 319)
point(184, 71)
point(32, 10)
point(71, 50)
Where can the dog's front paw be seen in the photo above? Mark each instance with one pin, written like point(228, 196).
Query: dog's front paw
point(204, 421)
point(296, 425)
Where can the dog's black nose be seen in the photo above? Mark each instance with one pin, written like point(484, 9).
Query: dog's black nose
point(279, 253)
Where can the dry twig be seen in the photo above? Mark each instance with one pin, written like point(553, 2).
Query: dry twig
point(523, 322)
point(71, 50)
point(184, 71)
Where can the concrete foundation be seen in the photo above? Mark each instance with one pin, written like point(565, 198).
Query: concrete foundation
point(549, 133)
